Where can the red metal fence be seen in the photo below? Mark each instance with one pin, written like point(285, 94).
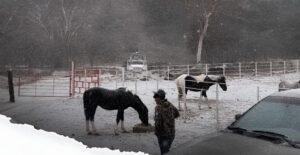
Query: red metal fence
point(85, 79)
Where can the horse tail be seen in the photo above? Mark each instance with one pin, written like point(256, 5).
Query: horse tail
point(86, 103)
point(85, 98)
point(180, 83)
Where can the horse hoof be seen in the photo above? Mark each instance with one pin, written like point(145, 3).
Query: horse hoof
point(125, 131)
point(89, 133)
point(117, 134)
point(210, 107)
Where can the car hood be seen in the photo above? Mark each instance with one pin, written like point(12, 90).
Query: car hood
point(226, 143)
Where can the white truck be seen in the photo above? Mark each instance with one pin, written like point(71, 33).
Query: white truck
point(137, 62)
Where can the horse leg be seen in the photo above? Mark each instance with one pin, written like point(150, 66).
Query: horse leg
point(199, 103)
point(206, 100)
point(87, 114)
point(91, 118)
point(122, 121)
point(184, 95)
point(87, 127)
point(180, 93)
point(119, 116)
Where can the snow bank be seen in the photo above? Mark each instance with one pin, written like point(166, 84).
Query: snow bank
point(19, 139)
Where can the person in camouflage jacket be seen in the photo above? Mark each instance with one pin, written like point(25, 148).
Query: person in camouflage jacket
point(165, 114)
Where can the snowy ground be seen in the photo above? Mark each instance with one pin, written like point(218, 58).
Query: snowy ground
point(65, 115)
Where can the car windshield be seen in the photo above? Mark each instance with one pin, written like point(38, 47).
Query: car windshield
point(136, 62)
point(274, 114)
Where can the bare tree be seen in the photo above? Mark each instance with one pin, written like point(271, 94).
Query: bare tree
point(206, 9)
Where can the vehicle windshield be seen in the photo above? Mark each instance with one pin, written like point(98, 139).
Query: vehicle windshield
point(136, 62)
point(274, 114)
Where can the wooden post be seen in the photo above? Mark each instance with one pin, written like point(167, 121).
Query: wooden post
point(11, 86)
point(284, 67)
point(297, 66)
point(257, 93)
point(184, 104)
point(188, 69)
point(85, 83)
point(217, 108)
point(123, 74)
point(271, 68)
point(72, 80)
point(217, 92)
point(19, 86)
point(53, 85)
point(200, 99)
point(240, 70)
point(157, 85)
point(135, 85)
point(224, 66)
point(168, 73)
point(206, 69)
point(147, 73)
point(255, 69)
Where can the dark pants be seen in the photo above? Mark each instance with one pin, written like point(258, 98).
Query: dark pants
point(165, 143)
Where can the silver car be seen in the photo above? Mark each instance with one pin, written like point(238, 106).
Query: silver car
point(270, 127)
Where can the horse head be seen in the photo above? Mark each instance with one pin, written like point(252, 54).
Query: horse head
point(222, 83)
point(142, 110)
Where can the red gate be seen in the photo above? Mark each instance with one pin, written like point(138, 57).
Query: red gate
point(84, 79)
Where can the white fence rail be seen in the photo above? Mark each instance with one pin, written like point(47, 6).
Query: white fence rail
point(227, 69)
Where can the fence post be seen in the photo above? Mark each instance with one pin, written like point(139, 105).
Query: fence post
point(217, 92)
point(135, 86)
point(297, 66)
point(53, 84)
point(72, 83)
point(84, 84)
point(147, 73)
point(240, 70)
point(200, 99)
point(123, 74)
point(99, 77)
point(35, 86)
point(217, 108)
point(271, 68)
point(224, 66)
point(11, 86)
point(255, 69)
point(188, 69)
point(257, 93)
point(168, 72)
point(284, 67)
point(184, 104)
point(19, 86)
point(156, 84)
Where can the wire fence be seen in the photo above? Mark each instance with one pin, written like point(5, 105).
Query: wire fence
point(121, 77)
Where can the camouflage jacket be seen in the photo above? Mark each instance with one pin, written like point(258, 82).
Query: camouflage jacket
point(165, 114)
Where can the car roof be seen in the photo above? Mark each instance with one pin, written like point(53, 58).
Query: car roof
point(288, 93)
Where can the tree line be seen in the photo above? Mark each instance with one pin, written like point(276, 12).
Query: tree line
point(95, 32)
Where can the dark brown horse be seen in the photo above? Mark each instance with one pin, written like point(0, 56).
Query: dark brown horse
point(118, 99)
